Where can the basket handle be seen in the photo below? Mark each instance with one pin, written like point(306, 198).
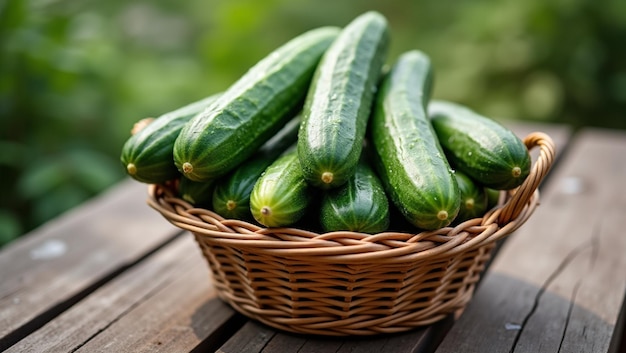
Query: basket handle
point(514, 206)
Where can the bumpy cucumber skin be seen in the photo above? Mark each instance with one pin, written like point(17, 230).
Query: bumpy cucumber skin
point(339, 101)
point(281, 195)
point(473, 198)
point(252, 110)
point(197, 193)
point(231, 196)
point(409, 160)
point(151, 150)
point(482, 148)
point(359, 205)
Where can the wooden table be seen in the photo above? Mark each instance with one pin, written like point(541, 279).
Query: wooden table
point(114, 276)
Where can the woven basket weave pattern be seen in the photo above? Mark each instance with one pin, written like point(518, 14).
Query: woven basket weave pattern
point(346, 283)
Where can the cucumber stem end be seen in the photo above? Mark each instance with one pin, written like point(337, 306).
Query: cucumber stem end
point(327, 177)
point(131, 169)
point(516, 172)
point(230, 205)
point(442, 215)
point(187, 168)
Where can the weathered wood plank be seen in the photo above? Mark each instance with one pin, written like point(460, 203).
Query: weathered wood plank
point(558, 284)
point(45, 272)
point(164, 303)
point(256, 338)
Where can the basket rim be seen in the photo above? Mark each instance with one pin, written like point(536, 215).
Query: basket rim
point(514, 208)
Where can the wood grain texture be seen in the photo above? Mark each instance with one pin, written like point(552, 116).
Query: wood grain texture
point(558, 284)
point(46, 271)
point(257, 338)
point(166, 303)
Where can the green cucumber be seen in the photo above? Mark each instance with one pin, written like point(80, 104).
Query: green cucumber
point(409, 159)
point(197, 193)
point(479, 146)
point(147, 156)
point(493, 196)
point(231, 196)
point(473, 198)
point(252, 110)
point(359, 205)
point(281, 195)
point(339, 101)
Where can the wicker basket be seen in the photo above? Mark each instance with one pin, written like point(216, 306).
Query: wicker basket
point(346, 283)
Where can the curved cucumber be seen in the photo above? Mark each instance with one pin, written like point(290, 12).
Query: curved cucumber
point(482, 148)
point(252, 110)
point(148, 156)
point(339, 100)
point(281, 195)
point(410, 161)
point(473, 198)
point(231, 196)
point(359, 205)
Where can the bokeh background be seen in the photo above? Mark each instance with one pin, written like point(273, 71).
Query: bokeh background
point(76, 75)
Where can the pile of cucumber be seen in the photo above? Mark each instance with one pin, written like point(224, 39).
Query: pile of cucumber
point(319, 134)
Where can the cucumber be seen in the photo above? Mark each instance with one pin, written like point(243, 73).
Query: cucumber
point(359, 205)
point(493, 197)
point(482, 148)
point(197, 193)
point(147, 156)
point(339, 101)
point(473, 198)
point(281, 195)
point(409, 159)
point(231, 196)
point(252, 110)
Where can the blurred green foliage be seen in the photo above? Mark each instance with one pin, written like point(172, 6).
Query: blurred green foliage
point(76, 75)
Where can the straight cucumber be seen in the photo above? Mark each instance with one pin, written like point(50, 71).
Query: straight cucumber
point(339, 100)
point(409, 160)
point(359, 205)
point(148, 155)
point(482, 148)
point(281, 195)
point(231, 196)
point(252, 110)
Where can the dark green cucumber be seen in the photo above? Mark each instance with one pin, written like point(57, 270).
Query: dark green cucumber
point(493, 196)
point(359, 205)
point(281, 195)
point(148, 156)
point(410, 162)
point(231, 196)
point(252, 110)
point(339, 101)
point(482, 148)
point(473, 198)
point(197, 193)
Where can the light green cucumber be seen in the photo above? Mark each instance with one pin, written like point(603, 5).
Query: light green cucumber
point(409, 159)
point(252, 110)
point(280, 196)
point(339, 101)
point(231, 196)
